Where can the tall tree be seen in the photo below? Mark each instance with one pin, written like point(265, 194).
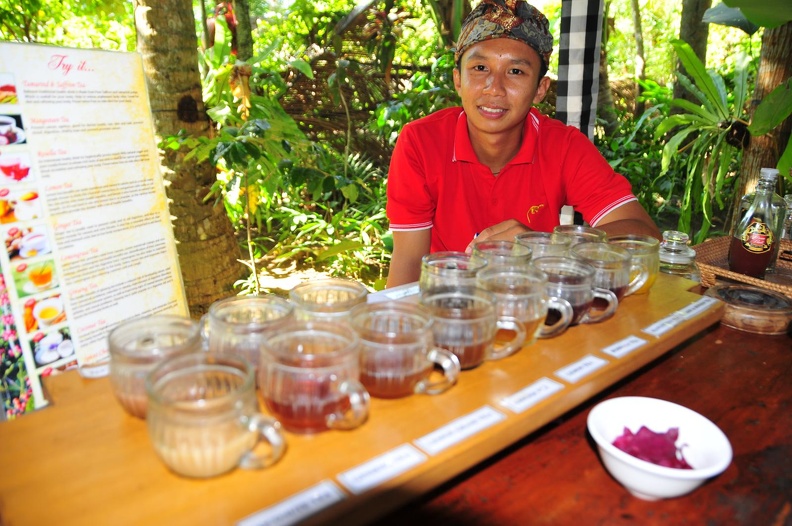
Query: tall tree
point(695, 32)
point(244, 31)
point(606, 109)
point(640, 61)
point(208, 251)
point(775, 66)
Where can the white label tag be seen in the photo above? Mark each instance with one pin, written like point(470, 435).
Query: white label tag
point(532, 395)
point(297, 507)
point(624, 347)
point(664, 325)
point(581, 368)
point(382, 468)
point(697, 307)
point(459, 429)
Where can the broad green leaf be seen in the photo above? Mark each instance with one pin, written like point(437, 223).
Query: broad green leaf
point(697, 110)
point(691, 87)
point(740, 82)
point(344, 246)
point(303, 67)
point(672, 122)
point(699, 74)
point(773, 109)
point(765, 13)
point(671, 147)
point(785, 162)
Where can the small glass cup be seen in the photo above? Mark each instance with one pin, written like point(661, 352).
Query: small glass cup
point(449, 269)
point(573, 280)
point(521, 293)
point(137, 346)
point(328, 299)
point(614, 267)
point(466, 322)
point(241, 323)
point(545, 243)
point(398, 355)
point(309, 377)
point(499, 252)
point(581, 233)
point(645, 252)
point(204, 418)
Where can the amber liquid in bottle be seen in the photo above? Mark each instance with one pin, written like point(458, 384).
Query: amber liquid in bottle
point(748, 262)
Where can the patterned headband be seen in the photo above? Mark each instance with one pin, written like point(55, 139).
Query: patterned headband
point(515, 19)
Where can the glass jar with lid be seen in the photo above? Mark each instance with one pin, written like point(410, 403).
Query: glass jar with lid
point(676, 256)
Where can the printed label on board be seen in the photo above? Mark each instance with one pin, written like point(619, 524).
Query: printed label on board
point(297, 507)
point(381, 469)
point(624, 347)
point(581, 368)
point(459, 429)
point(533, 394)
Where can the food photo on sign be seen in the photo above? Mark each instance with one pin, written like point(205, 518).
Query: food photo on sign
point(34, 277)
point(8, 90)
point(27, 242)
point(15, 167)
point(19, 205)
point(11, 130)
point(43, 313)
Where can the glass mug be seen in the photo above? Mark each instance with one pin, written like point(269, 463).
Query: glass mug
point(645, 250)
point(398, 356)
point(614, 267)
point(466, 322)
point(204, 418)
point(327, 299)
point(573, 280)
point(309, 377)
point(449, 269)
point(241, 323)
point(137, 346)
point(581, 233)
point(521, 293)
point(498, 252)
point(545, 243)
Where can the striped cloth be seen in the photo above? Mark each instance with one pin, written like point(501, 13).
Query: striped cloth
point(578, 63)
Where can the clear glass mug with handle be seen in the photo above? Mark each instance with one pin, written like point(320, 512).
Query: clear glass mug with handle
point(500, 252)
point(204, 418)
point(573, 280)
point(466, 322)
point(329, 299)
point(645, 252)
point(309, 377)
point(449, 269)
point(615, 268)
point(521, 293)
point(398, 357)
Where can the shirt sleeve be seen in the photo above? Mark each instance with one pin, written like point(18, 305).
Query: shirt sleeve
point(409, 206)
point(594, 189)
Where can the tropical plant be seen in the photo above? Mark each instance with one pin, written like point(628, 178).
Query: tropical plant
point(713, 133)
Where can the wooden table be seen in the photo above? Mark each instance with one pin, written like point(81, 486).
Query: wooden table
point(84, 461)
point(741, 381)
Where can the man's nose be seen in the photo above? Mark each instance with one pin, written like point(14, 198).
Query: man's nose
point(494, 84)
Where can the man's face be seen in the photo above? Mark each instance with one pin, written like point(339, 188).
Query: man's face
point(498, 82)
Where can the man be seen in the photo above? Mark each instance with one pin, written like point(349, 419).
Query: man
point(497, 167)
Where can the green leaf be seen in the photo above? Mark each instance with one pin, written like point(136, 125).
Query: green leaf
point(729, 16)
point(785, 162)
point(765, 13)
point(697, 110)
point(303, 67)
point(700, 76)
point(344, 246)
point(773, 109)
point(740, 81)
point(671, 147)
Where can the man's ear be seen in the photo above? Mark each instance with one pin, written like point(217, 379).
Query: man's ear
point(541, 90)
point(457, 79)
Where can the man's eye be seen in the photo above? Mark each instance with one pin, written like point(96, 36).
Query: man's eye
point(478, 67)
point(515, 71)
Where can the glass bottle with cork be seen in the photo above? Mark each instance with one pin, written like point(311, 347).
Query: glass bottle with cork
point(759, 223)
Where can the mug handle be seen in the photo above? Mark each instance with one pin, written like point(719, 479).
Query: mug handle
point(508, 323)
point(564, 309)
point(358, 406)
point(449, 362)
point(639, 274)
point(269, 431)
point(612, 301)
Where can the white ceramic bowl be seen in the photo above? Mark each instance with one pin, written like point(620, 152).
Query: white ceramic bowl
point(706, 448)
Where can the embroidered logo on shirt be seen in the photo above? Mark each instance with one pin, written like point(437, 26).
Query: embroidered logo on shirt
point(533, 211)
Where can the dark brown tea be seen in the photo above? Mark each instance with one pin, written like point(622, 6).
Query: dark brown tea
point(392, 384)
point(303, 406)
point(469, 356)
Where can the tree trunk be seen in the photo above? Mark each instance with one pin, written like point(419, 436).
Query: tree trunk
point(606, 110)
point(775, 66)
point(693, 31)
point(208, 251)
point(243, 30)
point(640, 62)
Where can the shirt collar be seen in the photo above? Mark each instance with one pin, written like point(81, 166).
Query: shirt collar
point(463, 148)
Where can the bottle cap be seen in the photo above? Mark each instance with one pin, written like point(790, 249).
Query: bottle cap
point(768, 173)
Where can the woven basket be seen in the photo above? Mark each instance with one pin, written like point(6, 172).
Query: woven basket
point(712, 259)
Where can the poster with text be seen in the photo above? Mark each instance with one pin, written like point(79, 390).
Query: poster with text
point(84, 222)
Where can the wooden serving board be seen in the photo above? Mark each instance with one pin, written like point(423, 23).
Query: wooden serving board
point(83, 460)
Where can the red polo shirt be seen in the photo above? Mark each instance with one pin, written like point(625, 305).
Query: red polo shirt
point(436, 181)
